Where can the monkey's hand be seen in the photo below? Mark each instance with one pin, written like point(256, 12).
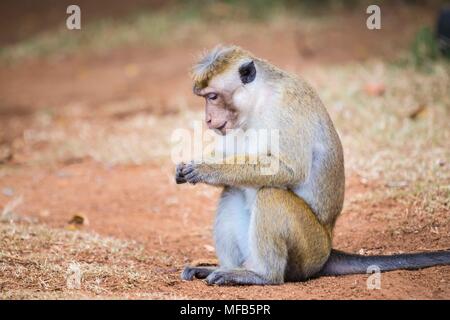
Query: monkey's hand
point(193, 173)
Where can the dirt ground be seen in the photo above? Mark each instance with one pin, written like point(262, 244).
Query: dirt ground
point(159, 226)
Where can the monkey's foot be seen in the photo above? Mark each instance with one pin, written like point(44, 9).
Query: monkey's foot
point(189, 273)
point(236, 277)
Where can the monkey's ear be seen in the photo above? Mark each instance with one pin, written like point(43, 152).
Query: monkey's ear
point(247, 72)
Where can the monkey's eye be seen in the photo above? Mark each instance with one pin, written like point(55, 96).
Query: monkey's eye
point(212, 96)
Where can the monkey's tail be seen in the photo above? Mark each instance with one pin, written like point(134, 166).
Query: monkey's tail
point(341, 263)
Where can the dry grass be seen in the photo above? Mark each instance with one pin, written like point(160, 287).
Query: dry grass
point(37, 262)
point(135, 140)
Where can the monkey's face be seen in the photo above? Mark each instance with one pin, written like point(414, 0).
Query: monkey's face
point(228, 97)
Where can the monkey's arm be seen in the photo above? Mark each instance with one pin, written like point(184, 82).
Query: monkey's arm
point(245, 171)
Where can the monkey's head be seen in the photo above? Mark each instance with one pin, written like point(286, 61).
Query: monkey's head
point(226, 78)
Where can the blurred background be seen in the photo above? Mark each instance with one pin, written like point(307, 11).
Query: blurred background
point(86, 118)
point(133, 57)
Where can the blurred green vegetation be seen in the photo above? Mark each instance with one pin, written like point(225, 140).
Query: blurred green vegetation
point(424, 51)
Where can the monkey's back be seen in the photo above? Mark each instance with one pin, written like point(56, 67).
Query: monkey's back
point(323, 189)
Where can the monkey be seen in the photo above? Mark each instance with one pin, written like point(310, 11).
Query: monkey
point(278, 227)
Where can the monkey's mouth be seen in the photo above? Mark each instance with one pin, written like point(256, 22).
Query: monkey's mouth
point(221, 129)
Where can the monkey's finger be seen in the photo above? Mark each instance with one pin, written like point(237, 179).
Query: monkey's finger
point(179, 167)
point(180, 179)
point(187, 170)
point(193, 177)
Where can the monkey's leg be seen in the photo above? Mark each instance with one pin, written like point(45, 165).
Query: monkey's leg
point(230, 234)
point(231, 228)
point(286, 242)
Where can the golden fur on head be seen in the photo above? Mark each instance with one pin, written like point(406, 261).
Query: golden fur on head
point(213, 63)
